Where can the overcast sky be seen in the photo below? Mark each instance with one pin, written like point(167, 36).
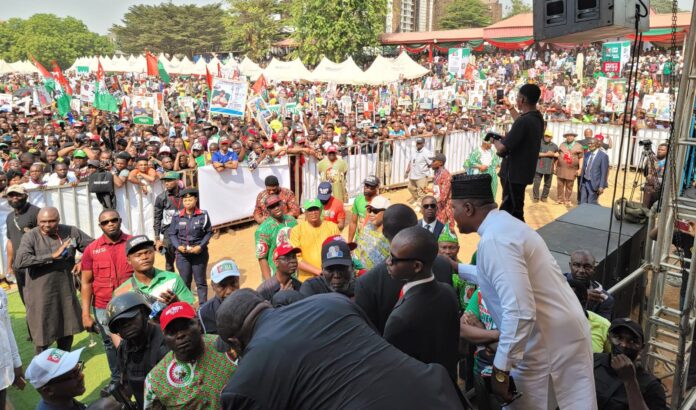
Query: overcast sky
point(99, 15)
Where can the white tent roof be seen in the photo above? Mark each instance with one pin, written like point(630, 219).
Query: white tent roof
point(250, 69)
point(287, 71)
point(409, 68)
point(5, 67)
point(381, 71)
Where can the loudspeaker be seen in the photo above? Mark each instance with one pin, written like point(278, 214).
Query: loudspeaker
point(584, 21)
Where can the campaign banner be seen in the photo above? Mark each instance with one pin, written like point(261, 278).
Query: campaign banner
point(559, 94)
point(87, 92)
point(615, 96)
point(475, 101)
point(258, 106)
point(240, 187)
point(384, 107)
point(346, 105)
point(574, 103)
point(6, 102)
point(615, 55)
point(457, 59)
point(188, 105)
point(657, 106)
point(144, 109)
point(229, 97)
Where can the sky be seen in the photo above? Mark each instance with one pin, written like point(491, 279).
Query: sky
point(100, 15)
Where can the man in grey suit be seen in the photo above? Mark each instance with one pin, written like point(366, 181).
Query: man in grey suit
point(594, 173)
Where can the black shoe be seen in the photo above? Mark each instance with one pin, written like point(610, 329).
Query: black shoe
point(544, 200)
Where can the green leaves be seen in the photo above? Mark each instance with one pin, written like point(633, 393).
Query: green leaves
point(48, 37)
point(254, 25)
point(466, 13)
point(518, 7)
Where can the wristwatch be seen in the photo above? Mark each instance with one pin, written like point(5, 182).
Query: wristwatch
point(500, 376)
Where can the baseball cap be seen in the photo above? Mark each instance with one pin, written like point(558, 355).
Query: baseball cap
point(93, 163)
point(177, 310)
point(154, 139)
point(331, 148)
point(223, 269)
point(16, 189)
point(164, 149)
point(79, 154)
point(118, 127)
point(313, 203)
point(170, 175)
point(188, 192)
point(283, 249)
point(351, 245)
point(271, 199)
point(137, 242)
point(371, 180)
point(548, 133)
point(224, 140)
point(627, 323)
point(420, 140)
point(49, 364)
point(325, 190)
point(439, 156)
point(336, 252)
point(599, 137)
point(197, 146)
point(379, 202)
point(78, 124)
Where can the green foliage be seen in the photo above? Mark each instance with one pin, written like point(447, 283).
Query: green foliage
point(253, 26)
point(49, 37)
point(172, 29)
point(662, 6)
point(518, 7)
point(466, 13)
point(336, 29)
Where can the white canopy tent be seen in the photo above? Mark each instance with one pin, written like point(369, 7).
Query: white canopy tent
point(287, 71)
point(409, 68)
point(5, 68)
point(250, 69)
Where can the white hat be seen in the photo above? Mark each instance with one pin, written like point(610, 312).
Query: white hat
point(164, 148)
point(50, 364)
point(379, 202)
point(154, 139)
point(223, 269)
point(197, 146)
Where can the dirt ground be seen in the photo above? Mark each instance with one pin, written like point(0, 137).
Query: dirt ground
point(238, 242)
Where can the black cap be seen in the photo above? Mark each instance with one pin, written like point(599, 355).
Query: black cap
point(271, 180)
point(627, 323)
point(439, 157)
point(188, 192)
point(472, 187)
point(371, 180)
point(137, 242)
point(336, 253)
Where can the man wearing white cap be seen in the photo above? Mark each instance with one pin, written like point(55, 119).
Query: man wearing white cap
point(57, 376)
point(225, 279)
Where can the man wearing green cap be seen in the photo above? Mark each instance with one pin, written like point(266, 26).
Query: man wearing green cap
point(167, 204)
point(79, 164)
point(448, 246)
point(309, 235)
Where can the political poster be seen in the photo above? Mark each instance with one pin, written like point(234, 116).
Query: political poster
point(5, 102)
point(259, 111)
point(475, 101)
point(41, 97)
point(559, 94)
point(144, 109)
point(574, 103)
point(228, 97)
point(87, 92)
point(615, 96)
point(384, 107)
point(261, 108)
point(657, 106)
point(457, 59)
point(346, 105)
point(187, 105)
point(615, 55)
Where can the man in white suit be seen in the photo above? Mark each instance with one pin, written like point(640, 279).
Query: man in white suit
point(545, 344)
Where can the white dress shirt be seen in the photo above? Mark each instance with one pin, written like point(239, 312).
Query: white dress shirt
point(420, 164)
point(9, 354)
point(415, 283)
point(430, 226)
point(543, 330)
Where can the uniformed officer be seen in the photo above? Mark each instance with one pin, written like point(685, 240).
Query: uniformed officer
point(167, 204)
point(190, 233)
point(142, 345)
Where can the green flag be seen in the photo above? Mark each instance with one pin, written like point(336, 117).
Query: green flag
point(164, 76)
point(63, 103)
point(103, 100)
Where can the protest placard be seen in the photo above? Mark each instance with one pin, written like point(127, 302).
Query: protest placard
point(144, 107)
point(228, 97)
point(6, 102)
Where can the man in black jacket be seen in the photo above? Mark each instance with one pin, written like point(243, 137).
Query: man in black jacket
point(166, 205)
point(520, 149)
point(376, 292)
point(425, 322)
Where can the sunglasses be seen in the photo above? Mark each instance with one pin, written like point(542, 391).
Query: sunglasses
point(109, 221)
point(429, 206)
point(273, 206)
point(375, 210)
point(393, 260)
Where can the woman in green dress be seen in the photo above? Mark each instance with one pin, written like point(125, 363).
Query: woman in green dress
point(484, 160)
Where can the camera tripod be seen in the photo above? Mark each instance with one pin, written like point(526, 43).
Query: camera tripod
point(646, 163)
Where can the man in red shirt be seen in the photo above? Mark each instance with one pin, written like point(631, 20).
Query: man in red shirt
point(333, 208)
point(104, 268)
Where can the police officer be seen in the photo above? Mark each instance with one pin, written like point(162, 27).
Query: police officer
point(167, 204)
point(190, 233)
point(142, 345)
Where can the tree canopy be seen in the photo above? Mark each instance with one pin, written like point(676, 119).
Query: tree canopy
point(48, 37)
point(518, 7)
point(466, 13)
point(662, 6)
point(172, 29)
point(253, 26)
point(336, 29)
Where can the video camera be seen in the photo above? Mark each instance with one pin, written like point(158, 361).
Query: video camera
point(492, 135)
point(646, 144)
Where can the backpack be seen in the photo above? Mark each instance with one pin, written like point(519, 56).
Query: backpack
point(630, 211)
point(102, 184)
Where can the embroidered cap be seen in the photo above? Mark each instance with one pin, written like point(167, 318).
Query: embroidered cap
point(336, 252)
point(177, 310)
point(49, 364)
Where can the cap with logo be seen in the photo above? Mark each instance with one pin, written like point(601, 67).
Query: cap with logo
point(177, 310)
point(197, 146)
point(170, 175)
point(224, 269)
point(137, 242)
point(224, 141)
point(164, 149)
point(371, 180)
point(325, 191)
point(336, 252)
point(16, 189)
point(49, 364)
point(154, 140)
point(283, 249)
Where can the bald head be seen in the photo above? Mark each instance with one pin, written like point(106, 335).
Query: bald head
point(49, 211)
point(397, 218)
point(48, 219)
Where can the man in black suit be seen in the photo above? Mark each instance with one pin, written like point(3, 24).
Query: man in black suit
point(429, 221)
point(376, 292)
point(425, 321)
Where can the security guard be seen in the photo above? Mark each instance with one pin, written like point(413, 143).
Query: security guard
point(190, 233)
point(167, 204)
point(142, 345)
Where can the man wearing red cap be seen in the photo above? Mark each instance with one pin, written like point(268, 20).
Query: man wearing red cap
point(194, 373)
point(285, 258)
point(272, 232)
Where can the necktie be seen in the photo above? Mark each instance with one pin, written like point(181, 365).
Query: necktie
point(589, 161)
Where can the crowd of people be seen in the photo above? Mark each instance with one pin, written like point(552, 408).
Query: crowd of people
point(391, 287)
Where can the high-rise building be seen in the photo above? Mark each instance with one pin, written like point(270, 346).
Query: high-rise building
point(425, 15)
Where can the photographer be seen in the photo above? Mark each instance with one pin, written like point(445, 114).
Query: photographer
point(653, 171)
point(520, 149)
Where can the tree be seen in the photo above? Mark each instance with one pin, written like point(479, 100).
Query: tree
point(48, 37)
point(662, 6)
point(336, 29)
point(172, 29)
point(466, 13)
point(254, 25)
point(518, 7)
